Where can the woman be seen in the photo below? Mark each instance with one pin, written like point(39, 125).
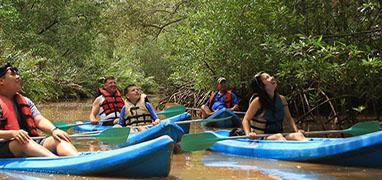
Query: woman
point(268, 110)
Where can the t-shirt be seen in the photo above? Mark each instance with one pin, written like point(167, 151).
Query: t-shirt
point(218, 101)
point(35, 111)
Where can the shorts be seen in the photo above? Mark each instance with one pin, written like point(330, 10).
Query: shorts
point(5, 152)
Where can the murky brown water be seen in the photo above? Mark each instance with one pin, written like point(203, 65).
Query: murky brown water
point(202, 164)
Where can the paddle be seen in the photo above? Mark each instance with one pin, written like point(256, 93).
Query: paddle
point(65, 125)
point(200, 141)
point(198, 109)
point(203, 120)
point(110, 136)
point(172, 110)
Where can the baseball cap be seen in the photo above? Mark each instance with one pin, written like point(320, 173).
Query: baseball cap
point(221, 79)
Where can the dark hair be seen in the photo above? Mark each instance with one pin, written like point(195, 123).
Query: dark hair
point(258, 89)
point(108, 78)
point(126, 90)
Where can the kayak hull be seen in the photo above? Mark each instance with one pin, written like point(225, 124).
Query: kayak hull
point(364, 151)
point(165, 127)
point(234, 121)
point(100, 127)
point(148, 159)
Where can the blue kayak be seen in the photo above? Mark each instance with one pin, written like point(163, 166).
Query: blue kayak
point(148, 159)
point(100, 127)
point(234, 121)
point(165, 127)
point(364, 151)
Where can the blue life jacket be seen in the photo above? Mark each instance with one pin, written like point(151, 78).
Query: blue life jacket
point(273, 118)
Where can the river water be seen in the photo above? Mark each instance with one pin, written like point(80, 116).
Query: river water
point(201, 164)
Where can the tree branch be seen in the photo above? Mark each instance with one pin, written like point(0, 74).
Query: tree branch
point(161, 27)
point(351, 34)
point(48, 27)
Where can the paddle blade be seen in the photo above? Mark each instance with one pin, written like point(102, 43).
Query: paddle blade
point(63, 125)
point(172, 111)
point(363, 128)
point(113, 135)
point(199, 141)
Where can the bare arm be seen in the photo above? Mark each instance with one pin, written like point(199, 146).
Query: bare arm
point(287, 116)
point(20, 135)
point(252, 109)
point(45, 125)
point(95, 110)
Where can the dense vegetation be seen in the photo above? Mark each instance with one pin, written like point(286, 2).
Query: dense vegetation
point(327, 55)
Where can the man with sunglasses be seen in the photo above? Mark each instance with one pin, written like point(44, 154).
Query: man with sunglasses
point(223, 98)
point(20, 120)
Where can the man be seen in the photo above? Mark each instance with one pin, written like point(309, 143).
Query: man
point(19, 123)
point(108, 105)
point(138, 110)
point(220, 99)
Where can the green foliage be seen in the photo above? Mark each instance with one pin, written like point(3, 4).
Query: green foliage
point(318, 49)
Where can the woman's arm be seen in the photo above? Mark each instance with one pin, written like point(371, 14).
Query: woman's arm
point(287, 116)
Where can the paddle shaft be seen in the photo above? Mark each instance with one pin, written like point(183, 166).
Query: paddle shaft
point(88, 123)
point(203, 120)
point(198, 109)
point(85, 134)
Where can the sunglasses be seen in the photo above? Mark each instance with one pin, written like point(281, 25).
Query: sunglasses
point(6, 67)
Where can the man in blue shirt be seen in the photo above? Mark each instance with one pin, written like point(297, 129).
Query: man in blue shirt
point(223, 98)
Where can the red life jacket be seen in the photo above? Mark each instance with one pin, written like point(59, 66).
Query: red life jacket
point(227, 99)
point(112, 103)
point(26, 120)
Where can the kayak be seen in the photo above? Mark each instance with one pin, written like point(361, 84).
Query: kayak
point(100, 127)
point(165, 127)
point(364, 150)
point(234, 121)
point(148, 159)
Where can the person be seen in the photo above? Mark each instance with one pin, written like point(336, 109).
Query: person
point(20, 121)
point(223, 98)
point(268, 110)
point(138, 110)
point(107, 106)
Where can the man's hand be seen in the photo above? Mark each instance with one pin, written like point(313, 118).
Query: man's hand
point(116, 121)
point(59, 135)
point(251, 135)
point(94, 121)
point(157, 121)
point(21, 136)
point(301, 131)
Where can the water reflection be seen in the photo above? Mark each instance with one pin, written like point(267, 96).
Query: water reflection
point(275, 168)
point(289, 170)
